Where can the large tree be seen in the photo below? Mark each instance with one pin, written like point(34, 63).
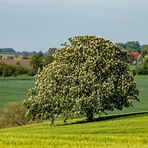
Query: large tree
point(88, 76)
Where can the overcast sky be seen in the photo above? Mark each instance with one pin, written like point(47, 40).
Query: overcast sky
point(39, 24)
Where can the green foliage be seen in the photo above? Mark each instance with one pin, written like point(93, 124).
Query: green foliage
point(14, 114)
point(142, 68)
point(144, 50)
point(39, 60)
point(131, 46)
point(36, 61)
point(88, 76)
point(48, 58)
point(12, 70)
point(6, 70)
point(129, 132)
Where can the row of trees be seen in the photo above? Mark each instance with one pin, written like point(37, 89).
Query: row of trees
point(131, 46)
point(13, 70)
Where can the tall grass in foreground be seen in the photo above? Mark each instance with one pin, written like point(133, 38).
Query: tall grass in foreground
point(130, 132)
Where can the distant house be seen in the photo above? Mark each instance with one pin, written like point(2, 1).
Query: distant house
point(134, 55)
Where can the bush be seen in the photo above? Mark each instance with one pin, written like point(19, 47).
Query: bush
point(19, 70)
point(14, 114)
point(31, 72)
point(142, 68)
point(12, 70)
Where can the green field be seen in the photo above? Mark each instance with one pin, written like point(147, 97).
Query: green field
point(14, 88)
point(130, 132)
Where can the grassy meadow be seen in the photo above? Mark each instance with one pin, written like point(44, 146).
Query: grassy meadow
point(124, 132)
point(14, 88)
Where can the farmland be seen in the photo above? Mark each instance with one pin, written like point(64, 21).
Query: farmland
point(124, 132)
point(13, 59)
point(14, 88)
point(22, 62)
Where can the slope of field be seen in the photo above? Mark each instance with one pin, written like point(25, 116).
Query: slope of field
point(14, 88)
point(130, 132)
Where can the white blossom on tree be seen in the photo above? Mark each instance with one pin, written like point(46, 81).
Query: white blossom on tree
point(88, 76)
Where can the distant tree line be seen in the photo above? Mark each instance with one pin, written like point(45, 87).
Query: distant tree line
point(13, 70)
point(12, 51)
point(130, 46)
point(7, 50)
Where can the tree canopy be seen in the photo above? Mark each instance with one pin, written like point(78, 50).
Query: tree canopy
point(88, 76)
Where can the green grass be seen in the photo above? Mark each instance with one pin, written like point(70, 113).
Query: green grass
point(14, 88)
point(130, 132)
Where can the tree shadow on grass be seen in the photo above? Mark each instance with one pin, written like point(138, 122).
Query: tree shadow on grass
point(104, 118)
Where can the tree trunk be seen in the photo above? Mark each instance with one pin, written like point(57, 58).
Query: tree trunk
point(52, 120)
point(89, 115)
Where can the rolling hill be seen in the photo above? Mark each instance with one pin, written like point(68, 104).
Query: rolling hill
point(130, 132)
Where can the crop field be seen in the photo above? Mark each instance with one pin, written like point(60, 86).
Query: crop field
point(24, 63)
point(130, 132)
point(14, 88)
